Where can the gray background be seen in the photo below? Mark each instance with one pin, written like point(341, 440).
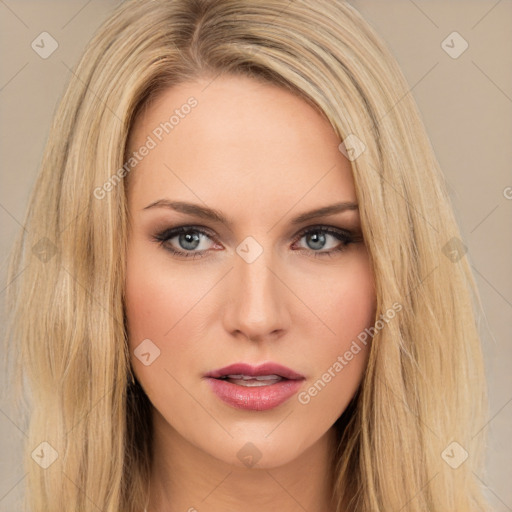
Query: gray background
point(466, 104)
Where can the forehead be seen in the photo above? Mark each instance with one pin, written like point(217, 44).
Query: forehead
point(243, 142)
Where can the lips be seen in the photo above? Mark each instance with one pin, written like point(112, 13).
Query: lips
point(255, 388)
point(262, 370)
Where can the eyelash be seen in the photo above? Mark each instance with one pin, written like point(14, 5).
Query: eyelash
point(344, 236)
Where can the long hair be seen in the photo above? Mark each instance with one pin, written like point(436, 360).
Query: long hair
point(409, 440)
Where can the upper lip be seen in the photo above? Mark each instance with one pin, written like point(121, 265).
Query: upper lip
point(255, 371)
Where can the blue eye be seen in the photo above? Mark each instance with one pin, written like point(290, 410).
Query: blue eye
point(189, 238)
point(318, 238)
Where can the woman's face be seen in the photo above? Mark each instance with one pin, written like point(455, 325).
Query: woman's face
point(270, 284)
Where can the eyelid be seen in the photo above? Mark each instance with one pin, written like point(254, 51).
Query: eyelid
point(344, 236)
point(175, 230)
point(169, 233)
point(327, 228)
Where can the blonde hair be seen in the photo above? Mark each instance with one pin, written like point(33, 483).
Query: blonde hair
point(423, 388)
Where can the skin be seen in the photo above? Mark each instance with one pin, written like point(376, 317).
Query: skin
point(261, 156)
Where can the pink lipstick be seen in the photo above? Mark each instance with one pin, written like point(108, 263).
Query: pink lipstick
point(255, 388)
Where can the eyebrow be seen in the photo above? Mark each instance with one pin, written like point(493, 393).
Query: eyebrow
point(215, 215)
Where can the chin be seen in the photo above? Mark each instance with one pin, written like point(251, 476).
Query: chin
point(258, 452)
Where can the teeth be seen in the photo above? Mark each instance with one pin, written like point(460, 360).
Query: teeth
point(250, 381)
point(249, 377)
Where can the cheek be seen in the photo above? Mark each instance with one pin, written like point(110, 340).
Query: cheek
point(157, 297)
point(159, 305)
point(354, 304)
point(159, 302)
point(348, 310)
point(345, 300)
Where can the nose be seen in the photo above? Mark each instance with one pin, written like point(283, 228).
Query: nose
point(256, 300)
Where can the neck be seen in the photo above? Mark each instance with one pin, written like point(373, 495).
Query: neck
point(185, 478)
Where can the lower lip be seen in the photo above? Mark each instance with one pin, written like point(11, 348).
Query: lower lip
point(255, 398)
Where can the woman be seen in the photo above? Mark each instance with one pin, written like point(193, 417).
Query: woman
point(243, 275)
